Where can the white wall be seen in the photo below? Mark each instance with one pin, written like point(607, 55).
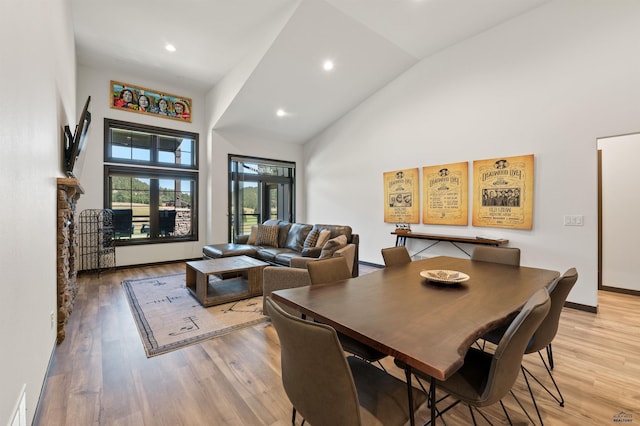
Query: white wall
point(620, 205)
point(548, 83)
point(89, 170)
point(37, 67)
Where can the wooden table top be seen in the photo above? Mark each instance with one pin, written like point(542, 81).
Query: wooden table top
point(226, 264)
point(430, 327)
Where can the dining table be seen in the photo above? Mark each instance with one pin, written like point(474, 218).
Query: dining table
point(427, 313)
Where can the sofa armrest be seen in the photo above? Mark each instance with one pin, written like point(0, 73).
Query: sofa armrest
point(241, 239)
point(313, 252)
point(279, 278)
point(301, 262)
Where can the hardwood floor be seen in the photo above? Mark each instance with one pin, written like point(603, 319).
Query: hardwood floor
point(100, 375)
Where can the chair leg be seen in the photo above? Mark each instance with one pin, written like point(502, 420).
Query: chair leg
point(559, 398)
point(533, 399)
point(523, 409)
point(407, 372)
point(293, 416)
point(550, 356)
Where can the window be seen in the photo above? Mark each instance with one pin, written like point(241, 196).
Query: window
point(259, 189)
point(151, 183)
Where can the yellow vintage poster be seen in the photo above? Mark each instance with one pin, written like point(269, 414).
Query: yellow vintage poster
point(401, 196)
point(445, 194)
point(503, 192)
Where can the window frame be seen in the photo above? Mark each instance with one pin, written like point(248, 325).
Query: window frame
point(152, 169)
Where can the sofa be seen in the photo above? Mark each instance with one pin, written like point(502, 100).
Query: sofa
point(282, 243)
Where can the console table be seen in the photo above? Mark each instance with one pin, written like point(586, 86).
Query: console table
point(401, 240)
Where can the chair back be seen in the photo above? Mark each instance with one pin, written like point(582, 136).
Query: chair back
point(393, 256)
point(328, 270)
point(549, 327)
point(315, 373)
point(506, 361)
point(504, 255)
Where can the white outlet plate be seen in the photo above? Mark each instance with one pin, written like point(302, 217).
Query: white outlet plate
point(573, 220)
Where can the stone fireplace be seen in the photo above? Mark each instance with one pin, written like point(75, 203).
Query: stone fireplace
point(69, 190)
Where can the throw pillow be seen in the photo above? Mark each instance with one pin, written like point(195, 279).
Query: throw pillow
point(254, 235)
point(267, 236)
point(333, 245)
point(312, 239)
point(323, 237)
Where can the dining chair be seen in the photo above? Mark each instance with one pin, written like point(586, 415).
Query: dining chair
point(398, 255)
point(486, 378)
point(333, 269)
point(328, 270)
point(504, 255)
point(544, 335)
point(326, 387)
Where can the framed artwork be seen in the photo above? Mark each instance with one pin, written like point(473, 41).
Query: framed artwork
point(401, 196)
point(445, 194)
point(503, 192)
point(132, 98)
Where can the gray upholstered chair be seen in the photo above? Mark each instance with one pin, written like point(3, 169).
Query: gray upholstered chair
point(335, 269)
point(395, 256)
point(280, 278)
point(505, 255)
point(328, 389)
point(486, 378)
point(545, 334)
point(328, 270)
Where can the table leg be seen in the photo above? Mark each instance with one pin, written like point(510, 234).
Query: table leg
point(407, 372)
point(432, 397)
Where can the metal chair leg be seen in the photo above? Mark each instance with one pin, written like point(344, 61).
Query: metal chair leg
point(559, 398)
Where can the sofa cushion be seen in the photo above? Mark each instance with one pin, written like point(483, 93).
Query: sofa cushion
point(267, 236)
point(332, 246)
point(297, 236)
point(323, 237)
point(337, 230)
point(312, 238)
point(283, 232)
point(253, 237)
point(215, 251)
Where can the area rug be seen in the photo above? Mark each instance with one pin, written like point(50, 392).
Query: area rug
point(169, 317)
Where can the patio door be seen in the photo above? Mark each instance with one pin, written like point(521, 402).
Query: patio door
point(259, 189)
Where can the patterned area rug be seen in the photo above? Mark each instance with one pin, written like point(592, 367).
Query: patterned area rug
point(169, 318)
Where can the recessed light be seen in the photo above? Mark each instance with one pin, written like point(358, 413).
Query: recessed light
point(281, 112)
point(328, 65)
point(170, 47)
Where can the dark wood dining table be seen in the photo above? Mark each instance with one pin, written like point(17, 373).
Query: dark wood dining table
point(428, 326)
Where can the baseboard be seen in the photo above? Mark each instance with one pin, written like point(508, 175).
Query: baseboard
point(373, 265)
point(36, 415)
point(581, 307)
point(141, 265)
point(620, 290)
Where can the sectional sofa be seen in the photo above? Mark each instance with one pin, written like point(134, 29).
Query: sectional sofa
point(290, 244)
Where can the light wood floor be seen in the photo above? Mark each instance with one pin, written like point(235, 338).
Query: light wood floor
point(100, 375)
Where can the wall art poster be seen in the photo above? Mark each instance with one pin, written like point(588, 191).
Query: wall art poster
point(445, 194)
point(401, 196)
point(149, 101)
point(503, 192)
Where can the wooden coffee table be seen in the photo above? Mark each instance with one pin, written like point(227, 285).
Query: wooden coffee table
point(223, 280)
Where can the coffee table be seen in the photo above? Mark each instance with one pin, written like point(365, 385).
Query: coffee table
point(218, 281)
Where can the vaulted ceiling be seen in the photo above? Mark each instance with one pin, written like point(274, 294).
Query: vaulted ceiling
point(285, 44)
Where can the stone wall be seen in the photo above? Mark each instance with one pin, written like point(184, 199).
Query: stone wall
point(69, 191)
